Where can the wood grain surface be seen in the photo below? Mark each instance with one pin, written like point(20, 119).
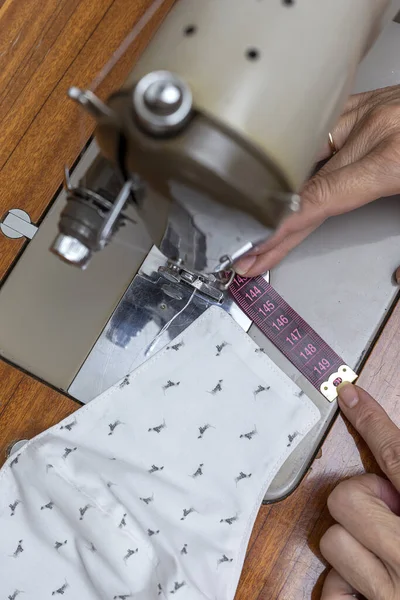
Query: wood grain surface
point(46, 46)
point(27, 407)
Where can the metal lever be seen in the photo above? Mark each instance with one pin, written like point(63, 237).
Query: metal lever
point(91, 103)
point(117, 208)
point(88, 222)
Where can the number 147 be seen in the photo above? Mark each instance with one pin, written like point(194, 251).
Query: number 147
point(294, 337)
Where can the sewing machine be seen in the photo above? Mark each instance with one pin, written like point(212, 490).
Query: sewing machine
point(197, 159)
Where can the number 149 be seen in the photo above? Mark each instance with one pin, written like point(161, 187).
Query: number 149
point(322, 366)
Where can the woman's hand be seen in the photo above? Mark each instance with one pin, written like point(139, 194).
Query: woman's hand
point(364, 546)
point(366, 167)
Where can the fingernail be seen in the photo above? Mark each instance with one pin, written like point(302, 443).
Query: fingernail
point(348, 394)
point(245, 264)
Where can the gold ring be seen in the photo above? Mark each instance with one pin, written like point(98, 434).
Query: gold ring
point(332, 144)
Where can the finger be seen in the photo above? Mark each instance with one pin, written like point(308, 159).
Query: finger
point(384, 490)
point(364, 101)
point(351, 186)
point(366, 500)
point(336, 588)
point(292, 231)
point(257, 265)
point(340, 186)
point(332, 191)
point(351, 115)
point(340, 134)
point(376, 486)
point(356, 146)
point(356, 108)
point(324, 195)
point(371, 421)
point(376, 130)
point(356, 100)
point(290, 225)
point(397, 276)
point(355, 564)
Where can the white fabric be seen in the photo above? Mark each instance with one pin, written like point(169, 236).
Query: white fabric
point(151, 490)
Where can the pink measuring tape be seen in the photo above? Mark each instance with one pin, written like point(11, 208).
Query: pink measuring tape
point(305, 349)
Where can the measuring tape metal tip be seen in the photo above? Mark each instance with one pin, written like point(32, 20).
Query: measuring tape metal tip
point(344, 374)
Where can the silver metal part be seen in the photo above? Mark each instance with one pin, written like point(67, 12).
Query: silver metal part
point(88, 222)
point(208, 286)
point(111, 220)
point(15, 447)
point(17, 224)
point(163, 98)
point(150, 302)
point(343, 374)
point(162, 103)
point(71, 251)
point(91, 103)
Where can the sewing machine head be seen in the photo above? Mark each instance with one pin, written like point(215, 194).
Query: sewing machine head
point(218, 125)
point(204, 197)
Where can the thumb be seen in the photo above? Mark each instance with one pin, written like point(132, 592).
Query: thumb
point(336, 588)
point(379, 432)
point(397, 275)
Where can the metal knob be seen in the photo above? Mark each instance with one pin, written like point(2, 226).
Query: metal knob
point(162, 103)
point(163, 97)
point(71, 251)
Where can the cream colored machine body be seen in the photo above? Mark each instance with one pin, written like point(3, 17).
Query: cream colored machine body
point(219, 124)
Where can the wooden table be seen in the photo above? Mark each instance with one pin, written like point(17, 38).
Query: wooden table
point(46, 46)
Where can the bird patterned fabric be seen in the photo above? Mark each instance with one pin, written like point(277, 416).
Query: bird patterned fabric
point(151, 490)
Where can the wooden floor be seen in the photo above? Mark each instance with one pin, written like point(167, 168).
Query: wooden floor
point(46, 46)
